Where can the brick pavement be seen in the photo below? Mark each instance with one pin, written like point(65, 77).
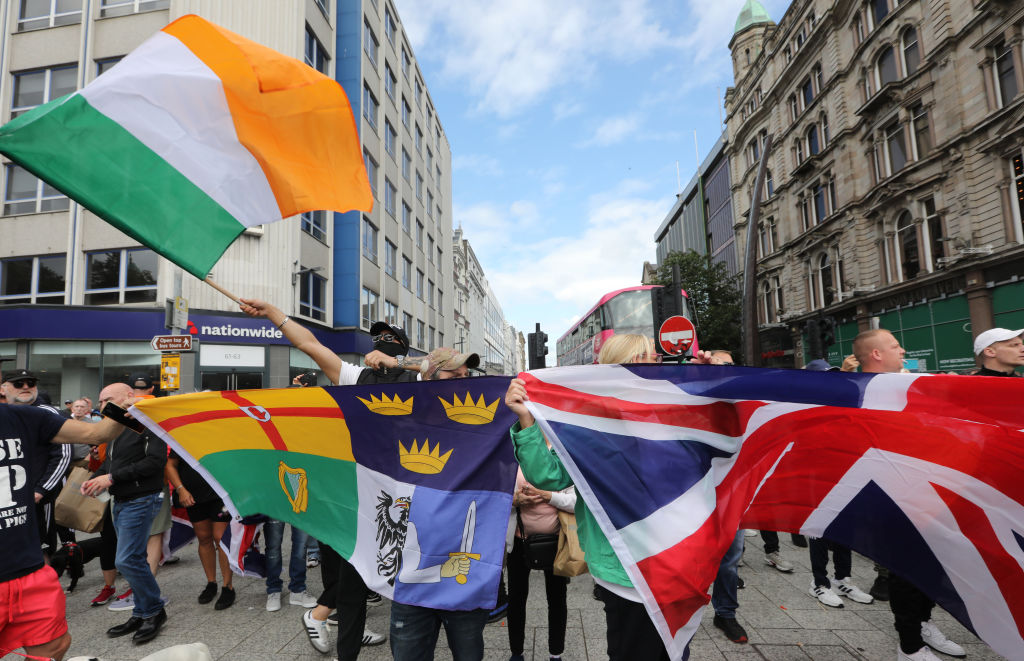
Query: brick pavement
point(784, 622)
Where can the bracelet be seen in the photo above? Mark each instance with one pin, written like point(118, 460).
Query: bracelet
point(285, 321)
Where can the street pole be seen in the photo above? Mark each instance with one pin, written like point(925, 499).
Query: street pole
point(751, 341)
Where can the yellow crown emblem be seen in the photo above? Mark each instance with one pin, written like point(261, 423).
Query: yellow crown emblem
point(388, 406)
point(467, 412)
point(423, 459)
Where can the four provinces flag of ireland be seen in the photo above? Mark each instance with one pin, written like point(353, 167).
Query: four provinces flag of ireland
point(411, 482)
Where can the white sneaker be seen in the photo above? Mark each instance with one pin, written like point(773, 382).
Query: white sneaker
point(935, 639)
point(371, 638)
point(317, 632)
point(747, 532)
point(775, 560)
point(851, 591)
point(303, 599)
point(274, 601)
point(923, 654)
point(826, 596)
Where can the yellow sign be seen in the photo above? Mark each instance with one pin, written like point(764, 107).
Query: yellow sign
point(170, 371)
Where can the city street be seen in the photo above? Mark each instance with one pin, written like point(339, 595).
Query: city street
point(784, 622)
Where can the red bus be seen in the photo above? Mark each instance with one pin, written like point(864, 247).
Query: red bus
point(629, 310)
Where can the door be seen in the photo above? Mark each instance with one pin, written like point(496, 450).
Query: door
point(231, 380)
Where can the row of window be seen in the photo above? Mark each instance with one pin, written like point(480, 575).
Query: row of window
point(893, 63)
point(112, 277)
point(370, 235)
point(425, 337)
point(37, 14)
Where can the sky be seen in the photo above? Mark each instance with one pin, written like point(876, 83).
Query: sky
point(566, 122)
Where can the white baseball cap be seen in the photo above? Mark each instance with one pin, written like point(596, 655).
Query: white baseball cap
point(993, 335)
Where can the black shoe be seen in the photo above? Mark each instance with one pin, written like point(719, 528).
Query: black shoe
point(497, 614)
point(731, 628)
point(150, 628)
point(227, 597)
point(208, 593)
point(373, 598)
point(131, 625)
point(880, 588)
point(740, 584)
point(798, 540)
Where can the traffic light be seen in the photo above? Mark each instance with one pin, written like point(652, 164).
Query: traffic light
point(813, 332)
point(828, 332)
point(537, 349)
point(665, 304)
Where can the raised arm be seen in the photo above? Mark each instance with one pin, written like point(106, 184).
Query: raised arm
point(300, 336)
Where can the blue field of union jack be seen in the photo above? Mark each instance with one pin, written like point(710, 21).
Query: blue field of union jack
point(924, 474)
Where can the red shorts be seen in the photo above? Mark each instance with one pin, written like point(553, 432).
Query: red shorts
point(32, 610)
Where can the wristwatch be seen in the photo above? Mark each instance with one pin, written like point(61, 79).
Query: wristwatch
point(401, 360)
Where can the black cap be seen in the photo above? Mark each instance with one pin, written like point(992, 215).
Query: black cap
point(379, 327)
point(17, 375)
point(141, 381)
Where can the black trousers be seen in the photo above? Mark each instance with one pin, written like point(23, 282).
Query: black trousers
point(842, 560)
point(345, 590)
point(519, 591)
point(631, 634)
point(108, 551)
point(910, 607)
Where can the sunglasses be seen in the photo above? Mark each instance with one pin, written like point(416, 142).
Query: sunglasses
point(386, 337)
point(24, 383)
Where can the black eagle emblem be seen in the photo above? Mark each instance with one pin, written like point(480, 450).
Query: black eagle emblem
point(392, 524)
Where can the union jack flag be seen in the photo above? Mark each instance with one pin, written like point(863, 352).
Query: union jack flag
point(924, 474)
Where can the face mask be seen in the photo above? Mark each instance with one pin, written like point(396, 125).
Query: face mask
point(390, 348)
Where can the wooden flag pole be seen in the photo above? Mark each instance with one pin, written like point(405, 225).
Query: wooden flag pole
point(213, 284)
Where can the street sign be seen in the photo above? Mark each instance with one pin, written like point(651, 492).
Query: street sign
point(676, 335)
point(170, 371)
point(171, 343)
point(179, 317)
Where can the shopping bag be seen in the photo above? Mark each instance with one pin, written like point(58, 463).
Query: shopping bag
point(569, 559)
point(75, 511)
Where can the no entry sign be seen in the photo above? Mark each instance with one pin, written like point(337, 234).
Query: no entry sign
point(676, 335)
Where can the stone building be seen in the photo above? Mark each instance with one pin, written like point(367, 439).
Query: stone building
point(895, 188)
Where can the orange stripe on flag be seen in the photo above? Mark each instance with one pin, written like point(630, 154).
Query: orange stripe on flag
point(294, 120)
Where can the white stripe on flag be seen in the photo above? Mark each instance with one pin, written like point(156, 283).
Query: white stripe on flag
point(888, 392)
point(621, 383)
point(188, 124)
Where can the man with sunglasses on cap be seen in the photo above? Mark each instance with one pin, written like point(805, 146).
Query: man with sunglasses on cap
point(1001, 351)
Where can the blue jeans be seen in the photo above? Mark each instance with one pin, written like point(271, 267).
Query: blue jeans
point(723, 596)
point(273, 532)
point(414, 631)
point(132, 520)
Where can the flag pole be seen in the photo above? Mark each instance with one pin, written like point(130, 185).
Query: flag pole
point(213, 284)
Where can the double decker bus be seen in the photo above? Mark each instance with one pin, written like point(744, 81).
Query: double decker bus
point(629, 310)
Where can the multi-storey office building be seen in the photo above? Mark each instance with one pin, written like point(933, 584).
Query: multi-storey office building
point(79, 301)
point(896, 183)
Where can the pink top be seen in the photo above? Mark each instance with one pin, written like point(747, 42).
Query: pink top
point(542, 517)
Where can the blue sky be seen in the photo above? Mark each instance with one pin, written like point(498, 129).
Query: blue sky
point(566, 120)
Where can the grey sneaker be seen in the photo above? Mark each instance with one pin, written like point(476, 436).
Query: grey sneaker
point(317, 632)
point(775, 560)
point(370, 638)
point(125, 602)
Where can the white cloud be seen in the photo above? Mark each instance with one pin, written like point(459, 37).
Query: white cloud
point(479, 164)
point(613, 131)
point(567, 108)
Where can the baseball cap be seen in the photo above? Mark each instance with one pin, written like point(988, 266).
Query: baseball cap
point(19, 375)
point(993, 335)
point(820, 365)
point(140, 381)
point(379, 327)
point(445, 358)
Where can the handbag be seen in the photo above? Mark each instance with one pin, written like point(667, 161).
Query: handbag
point(75, 511)
point(539, 549)
point(569, 560)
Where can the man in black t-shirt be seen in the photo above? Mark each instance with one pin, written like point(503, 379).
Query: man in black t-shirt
point(36, 620)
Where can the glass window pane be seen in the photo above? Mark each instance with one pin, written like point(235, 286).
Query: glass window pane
point(122, 359)
point(103, 270)
point(63, 81)
point(51, 274)
point(68, 370)
point(887, 66)
point(15, 276)
point(105, 298)
point(34, 8)
point(21, 184)
point(142, 265)
point(29, 89)
point(140, 296)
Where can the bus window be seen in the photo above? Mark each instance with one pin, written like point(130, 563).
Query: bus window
point(630, 312)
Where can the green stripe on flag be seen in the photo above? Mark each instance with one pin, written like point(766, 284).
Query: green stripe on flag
point(251, 478)
point(96, 162)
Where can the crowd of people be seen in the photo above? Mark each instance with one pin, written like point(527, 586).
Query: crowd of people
point(135, 470)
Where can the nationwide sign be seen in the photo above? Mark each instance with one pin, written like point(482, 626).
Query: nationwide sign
point(171, 343)
point(266, 331)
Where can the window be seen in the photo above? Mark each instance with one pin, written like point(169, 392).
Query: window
point(920, 130)
point(389, 27)
point(405, 63)
point(115, 277)
point(419, 139)
point(1017, 172)
point(420, 326)
point(419, 92)
point(316, 54)
point(122, 7)
point(430, 204)
point(368, 311)
point(430, 248)
point(818, 195)
point(880, 9)
point(106, 64)
point(437, 140)
point(314, 223)
point(430, 162)
point(34, 88)
point(419, 284)
point(390, 197)
point(406, 217)
point(407, 320)
point(406, 112)
point(37, 14)
point(767, 304)
point(390, 81)
point(769, 183)
point(419, 186)
point(440, 302)
point(390, 137)
point(430, 336)
point(369, 240)
point(406, 273)
point(1006, 77)
point(430, 293)
point(406, 165)
point(858, 30)
point(911, 56)
point(33, 279)
point(437, 170)
point(822, 282)
point(390, 258)
point(819, 82)
point(935, 233)
point(794, 111)
point(906, 244)
point(371, 170)
point(767, 237)
point(812, 140)
point(807, 92)
point(419, 234)
point(370, 106)
point(439, 214)
point(824, 131)
point(312, 294)
point(24, 193)
point(896, 147)
point(440, 256)
point(887, 67)
point(799, 151)
point(390, 313)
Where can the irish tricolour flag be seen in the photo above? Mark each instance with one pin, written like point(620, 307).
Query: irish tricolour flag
point(193, 137)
